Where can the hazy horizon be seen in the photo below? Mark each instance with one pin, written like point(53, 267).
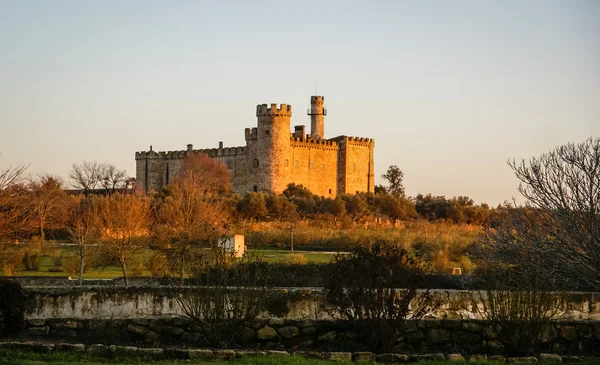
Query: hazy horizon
point(449, 90)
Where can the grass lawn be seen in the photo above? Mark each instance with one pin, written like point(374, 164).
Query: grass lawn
point(110, 272)
point(57, 358)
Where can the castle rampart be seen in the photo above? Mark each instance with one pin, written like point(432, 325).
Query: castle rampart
point(275, 157)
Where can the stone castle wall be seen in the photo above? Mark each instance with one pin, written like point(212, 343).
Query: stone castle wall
point(273, 158)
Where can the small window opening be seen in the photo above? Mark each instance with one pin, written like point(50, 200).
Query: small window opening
point(323, 166)
point(297, 163)
point(287, 162)
point(353, 167)
point(255, 188)
point(267, 132)
point(255, 163)
point(312, 165)
point(329, 191)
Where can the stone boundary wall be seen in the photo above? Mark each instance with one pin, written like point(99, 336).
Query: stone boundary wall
point(159, 353)
point(423, 336)
point(117, 302)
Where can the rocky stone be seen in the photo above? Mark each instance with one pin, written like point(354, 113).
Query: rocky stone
point(180, 322)
point(65, 324)
point(266, 333)
point(439, 335)
point(123, 351)
point(550, 358)
point(36, 322)
point(97, 350)
point(455, 358)
point(224, 355)
point(151, 337)
point(339, 356)
point(250, 353)
point(156, 325)
point(478, 358)
point(309, 331)
point(289, 332)
point(201, 354)
point(572, 359)
point(138, 330)
point(63, 333)
point(154, 352)
point(495, 347)
point(172, 330)
point(194, 327)
point(276, 321)
point(428, 357)
point(277, 353)
point(522, 360)
point(489, 333)
point(548, 334)
point(390, 358)
point(194, 338)
point(329, 336)
point(306, 323)
point(433, 323)
point(498, 358)
point(258, 323)
point(451, 323)
point(37, 331)
point(471, 326)
point(415, 336)
point(43, 347)
point(568, 333)
point(311, 355)
point(246, 335)
point(140, 321)
point(363, 356)
point(70, 347)
point(177, 353)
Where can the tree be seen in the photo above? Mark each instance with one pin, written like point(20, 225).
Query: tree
point(189, 212)
point(47, 200)
point(125, 225)
point(112, 179)
point(14, 205)
point(253, 206)
point(82, 223)
point(211, 176)
point(558, 227)
point(86, 176)
point(394, 177)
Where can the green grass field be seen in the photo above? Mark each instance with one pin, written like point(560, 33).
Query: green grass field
point(110, 272)
point(58, 358)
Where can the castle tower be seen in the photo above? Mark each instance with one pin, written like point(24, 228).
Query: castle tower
point(317, 114)
point(272, 147)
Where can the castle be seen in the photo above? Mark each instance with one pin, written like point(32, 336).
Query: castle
point(275, 157)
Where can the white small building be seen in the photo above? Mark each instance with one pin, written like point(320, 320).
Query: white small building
point(235, 244)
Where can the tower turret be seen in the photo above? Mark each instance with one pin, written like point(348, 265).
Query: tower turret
point(273, 143)
point(317, 114)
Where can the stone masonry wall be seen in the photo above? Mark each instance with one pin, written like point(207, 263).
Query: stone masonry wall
point(313, 165)
point(422, 336)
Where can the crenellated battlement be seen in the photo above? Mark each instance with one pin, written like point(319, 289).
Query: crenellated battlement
point(283, 110)
point(251, 134)
point(317, 99)
point(370, 142)
point(312, 141)
point(176, 155)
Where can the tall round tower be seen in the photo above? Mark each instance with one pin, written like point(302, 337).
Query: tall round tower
point(273, 144)
point(317, 114)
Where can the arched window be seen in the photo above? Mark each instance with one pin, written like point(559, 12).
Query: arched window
point(255, 163)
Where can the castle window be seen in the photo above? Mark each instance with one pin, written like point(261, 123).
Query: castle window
point(229, 165)
point(255, 163)
point(287, 162)
point(323, 167)
point(329, 191)
point(255, 188)
point(297, 163)
point(353, 167)
point(312, 165)
point(267, 132)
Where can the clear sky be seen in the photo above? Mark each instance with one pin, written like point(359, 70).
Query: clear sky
point(449, 89)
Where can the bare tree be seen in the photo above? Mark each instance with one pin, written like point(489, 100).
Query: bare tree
point(126, 222)
point(14, 207)
point(112, 179)
point(558, 228)
point(86, 176)
point(82, 223)
point(192, 210)
point(47, 202)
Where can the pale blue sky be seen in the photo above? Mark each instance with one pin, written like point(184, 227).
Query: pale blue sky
point(449, 89)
